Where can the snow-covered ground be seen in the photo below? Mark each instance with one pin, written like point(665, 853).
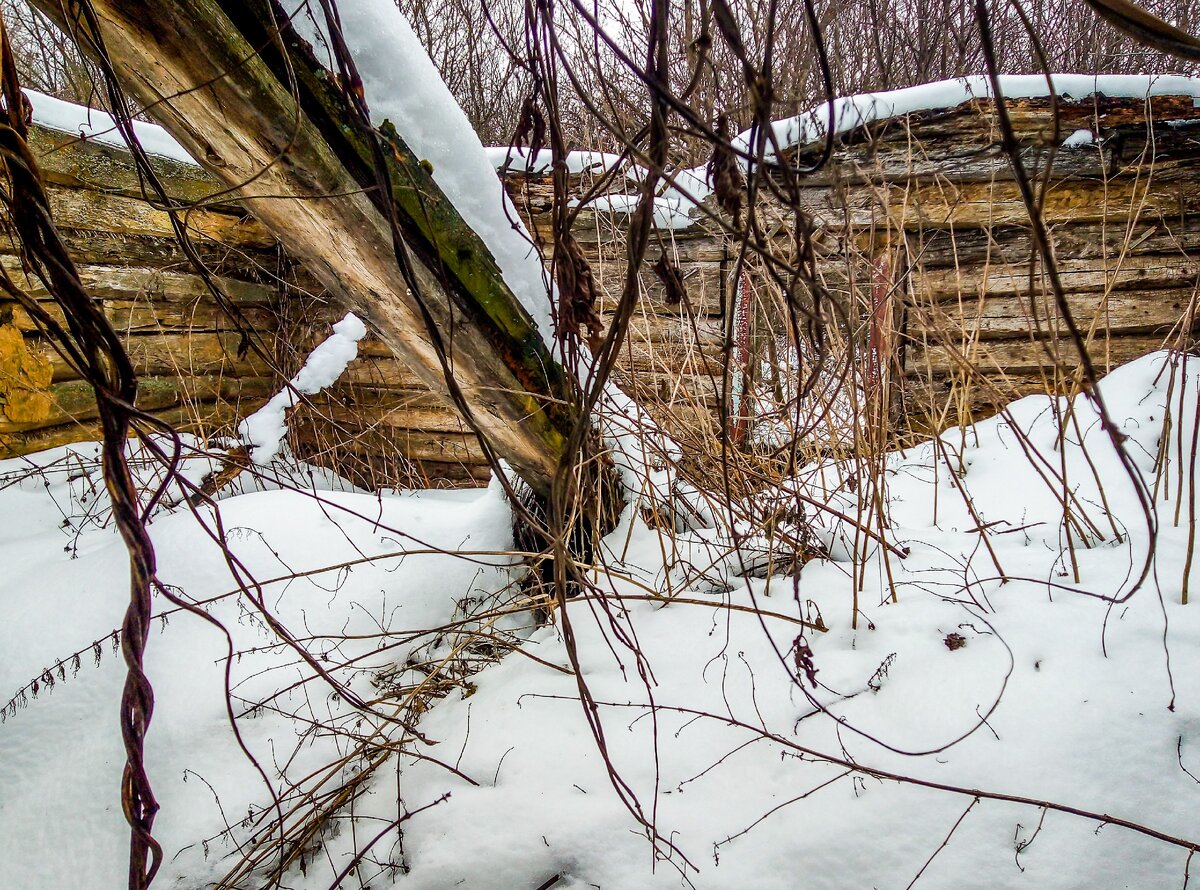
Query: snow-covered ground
point(1010, 680)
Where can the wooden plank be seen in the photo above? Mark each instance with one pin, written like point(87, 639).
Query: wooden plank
point(981, 205)
point(412, 445)
point(1137, 272)
point(66, 159)
point(1149, 235)
point(384, 372)
point(25, 373)
point(154, 284)
point(205, 419)
point(88, 210)
point(76, 401)
point(203, 316)
point(359, 412)
point(182, 354)
point(377, 464)
point(96, 247)
point(1021, 356)
point(1118, 312)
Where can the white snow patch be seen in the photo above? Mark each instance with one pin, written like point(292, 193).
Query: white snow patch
point(376, 571)
point(1079, 139)
point(93, 125)
point(265, 429)
point(1057, 696)
point(521, 160)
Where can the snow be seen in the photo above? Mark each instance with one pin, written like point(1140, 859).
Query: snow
point(1057, 695)
point(377, 563)
point(98, 126)
point(850, 112)
point(690, 187)
point(670, 210)
point(402, 85)
point(519, 160)
point(263, 431)
point(1079, 139)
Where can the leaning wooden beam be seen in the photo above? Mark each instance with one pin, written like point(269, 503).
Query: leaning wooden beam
point(209, 71)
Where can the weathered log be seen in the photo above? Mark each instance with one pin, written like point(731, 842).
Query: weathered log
point(1007, 317)
point(980, 205)
point(992, 357)
point(74, 401)
point(1116, 273)
point(1150, 235)
point(132, 283)
point(103, 248)
point(414, 445)
point(68, 160)
point(204, 417)
point(81, 209)
point(185, 354)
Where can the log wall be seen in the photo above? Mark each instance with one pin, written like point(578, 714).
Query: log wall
point(932, 198)
point(193, 362)
point(921, 240)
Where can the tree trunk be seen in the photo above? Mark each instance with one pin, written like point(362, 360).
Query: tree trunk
point(211, 73)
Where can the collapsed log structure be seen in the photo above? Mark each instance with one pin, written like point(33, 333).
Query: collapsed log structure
point(921, 239)
point(934, 245)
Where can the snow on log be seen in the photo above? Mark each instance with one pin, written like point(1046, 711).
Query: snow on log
point(264, 430)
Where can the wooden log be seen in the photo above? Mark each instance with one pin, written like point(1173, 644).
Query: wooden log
point(182, 354)
point(134, 283)
point(202, 418)
point(104, 248)
point(412, 445)
point(374, 463)
point(1002, 317)
point(75, 400)
point(1009, 245)
point(25, 373)
point(384, 372)
point(982, 205)
point(407, 414)
point(66, 159)
point(1022, 356)
point(90, 211)
point(1137, 272)
point(201, 316)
